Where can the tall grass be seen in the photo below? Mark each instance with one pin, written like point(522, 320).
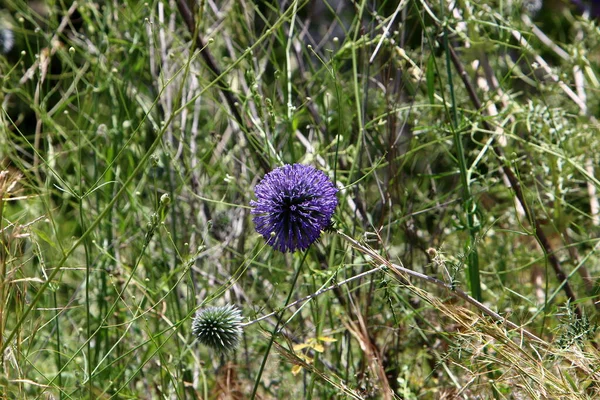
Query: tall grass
point(463, 258)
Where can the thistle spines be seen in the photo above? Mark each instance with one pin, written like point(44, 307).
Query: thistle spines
point(218, 328)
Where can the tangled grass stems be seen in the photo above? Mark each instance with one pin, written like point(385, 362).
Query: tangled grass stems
point(401, 273)
point(254, 85)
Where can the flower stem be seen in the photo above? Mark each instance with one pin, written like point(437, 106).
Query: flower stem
point(287, 301)
point(315, 294)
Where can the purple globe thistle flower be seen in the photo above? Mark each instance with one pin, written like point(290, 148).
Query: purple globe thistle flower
point(591, 6)
point(295, 203)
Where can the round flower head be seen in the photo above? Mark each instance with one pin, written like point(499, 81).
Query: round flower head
point(218, 328)
point(295, 203)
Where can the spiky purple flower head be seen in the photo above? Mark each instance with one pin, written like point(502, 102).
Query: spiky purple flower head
point(295, 203)
point(590, 6)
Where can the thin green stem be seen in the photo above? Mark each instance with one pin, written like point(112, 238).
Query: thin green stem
point(359, 118)
point(110, 311)
point(315, 295)
point(468, 201)
point(58, 344)
point(141, 165)
point(279, 319)
point(288, 60)
point(87, 296)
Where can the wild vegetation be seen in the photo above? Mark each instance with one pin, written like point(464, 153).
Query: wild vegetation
point(455, 142)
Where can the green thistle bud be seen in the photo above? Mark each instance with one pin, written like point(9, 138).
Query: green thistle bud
point(165, 199)
point(218, 328)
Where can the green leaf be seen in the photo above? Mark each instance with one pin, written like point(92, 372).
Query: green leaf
point(42, 235)
point(430, 77)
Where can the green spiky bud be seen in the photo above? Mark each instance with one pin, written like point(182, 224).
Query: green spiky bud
point(218, 328)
